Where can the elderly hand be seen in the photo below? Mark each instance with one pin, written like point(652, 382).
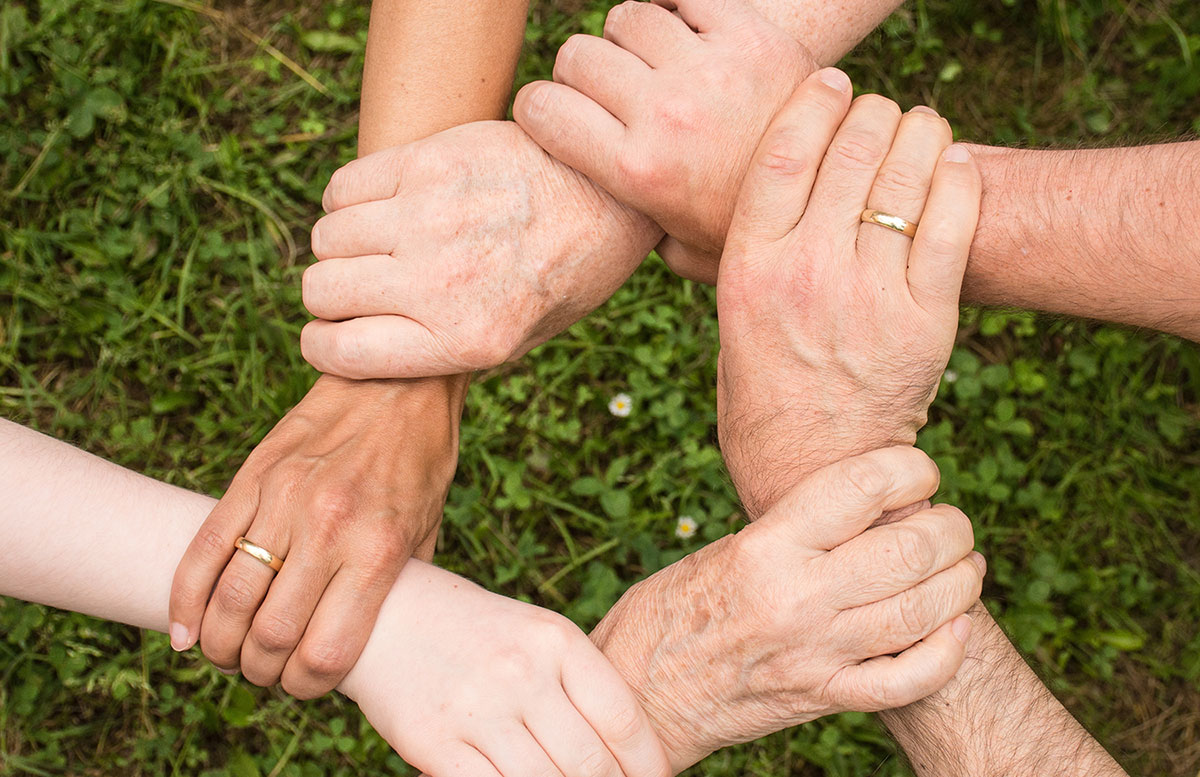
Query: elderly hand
point(466, 683)
point(835, 332)
point(346, 488)
point(805, 613)
point(665, 112)
point(459, 252)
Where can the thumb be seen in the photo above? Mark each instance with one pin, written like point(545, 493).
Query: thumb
point(838, 502)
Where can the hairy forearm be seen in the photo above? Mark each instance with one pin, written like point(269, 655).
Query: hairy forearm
point(1102, 234)
point(827, 29)
point(996, 718)
point(436, 64)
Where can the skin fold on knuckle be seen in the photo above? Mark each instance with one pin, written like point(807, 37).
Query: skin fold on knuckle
point(236, 594)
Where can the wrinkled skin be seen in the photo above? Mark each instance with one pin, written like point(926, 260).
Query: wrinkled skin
point(460, 252)
point(835, 332)
point(665, 112)
point(798, 615)
point(346, 488)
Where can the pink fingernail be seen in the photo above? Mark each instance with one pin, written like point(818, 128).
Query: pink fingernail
point(980, 562)
point(835, 79)
point(956, 153)
point(227, 672)
point(923, 109)
point(181, 638)
point(961, 628)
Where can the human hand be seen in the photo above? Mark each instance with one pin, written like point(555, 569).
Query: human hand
point(804, 613)
point(665, 112)
point(834, 333)
point(467, 683)
point(346, 487)
point(460, 252)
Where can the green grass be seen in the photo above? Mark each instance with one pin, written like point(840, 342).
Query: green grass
point(159, 168)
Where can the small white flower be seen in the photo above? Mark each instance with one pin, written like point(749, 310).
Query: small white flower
point(685, 527)
point(950, 376)
point(621, 405)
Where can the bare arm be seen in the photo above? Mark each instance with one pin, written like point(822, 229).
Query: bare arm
point(434, 65)
point(375, 458)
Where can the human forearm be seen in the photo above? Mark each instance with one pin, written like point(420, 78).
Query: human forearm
point(1102, 233)
point(995, 718)
point(827, 30)
point(435, 65)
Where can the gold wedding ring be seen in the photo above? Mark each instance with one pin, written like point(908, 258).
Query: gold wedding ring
point(903, 226)
point(259, 552)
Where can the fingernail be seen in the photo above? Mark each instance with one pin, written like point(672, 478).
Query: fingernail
point(181, 638)
point(956, 153)
point(961, 628)
point(980, 562)
point(227, 672)
point(835, 79)
point(923, 109)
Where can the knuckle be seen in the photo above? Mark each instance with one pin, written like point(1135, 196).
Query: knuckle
point(324, 659)
point(597, 763)
point(678, 114)
point(865, 478)
point(333, 504)
point(642, 172)
point(913, 549)
point(236, 594)
point(625, 724)
point(276, 634)
point(915, 614)
point(211, 542)
point(858, 149)
point(902, 178)
point(784, 153)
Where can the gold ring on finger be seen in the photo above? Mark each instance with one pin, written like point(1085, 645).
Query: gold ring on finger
point(259, 552)
point(903, 226)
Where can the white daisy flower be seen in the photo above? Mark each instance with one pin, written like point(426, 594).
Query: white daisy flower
point(686, 527)
point(621, 405)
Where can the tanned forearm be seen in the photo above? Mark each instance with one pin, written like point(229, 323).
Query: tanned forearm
point(1102, 234)
point(432, 65)
point(435, 64)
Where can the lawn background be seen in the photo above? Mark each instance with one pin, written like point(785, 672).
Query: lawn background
point(160, 164)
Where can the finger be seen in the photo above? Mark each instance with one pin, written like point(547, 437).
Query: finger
point(903, 620)
point(600, 69)
point(337, 289)
point(901, 188)
point(460, 760)
point(571, 743)
point(572, 128)
point(376, 176)
point(706, 16)
point(377, 347)
point(240, 591)
point(689, 263)
point(775, 191)
point(939, 252)
point(338, 631)
point(206, 557)
point(899, 555)
point(888, 682)
point(513, 750)
point(605, 701)
point(850, 166)
point(651, 32)
point(280, 622)
point(358, 230)
point(838, 502)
